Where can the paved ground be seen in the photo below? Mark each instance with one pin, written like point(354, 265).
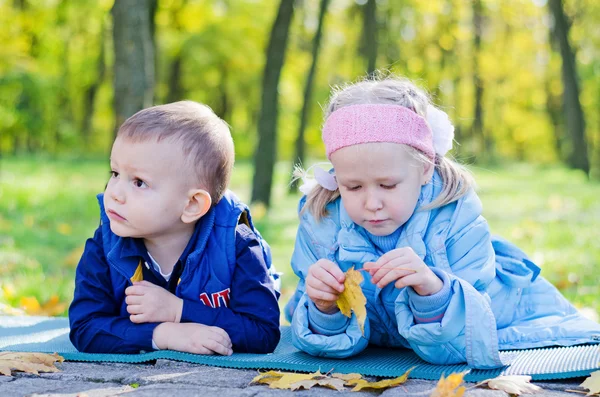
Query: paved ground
point(166, 378)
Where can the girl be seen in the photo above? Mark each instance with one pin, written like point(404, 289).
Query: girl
point(394, 207)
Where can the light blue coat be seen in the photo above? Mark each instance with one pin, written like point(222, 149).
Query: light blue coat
point(495, 300)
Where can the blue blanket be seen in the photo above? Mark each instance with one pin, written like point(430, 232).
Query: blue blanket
point(48, 334)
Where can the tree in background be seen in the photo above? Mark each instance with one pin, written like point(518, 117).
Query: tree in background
point(264, 156)
point(577, 154)
point(308, 89)
point(134, 58)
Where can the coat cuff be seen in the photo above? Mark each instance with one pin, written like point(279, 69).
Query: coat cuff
point(429, 309)
point(326, 324)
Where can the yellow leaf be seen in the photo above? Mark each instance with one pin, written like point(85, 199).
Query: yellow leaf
point(346, 377)
point(361, 384)
point(331, 383)
point(30, 304)
point(512, 384)
point(592, 383)
point(353, 299)
point(449, 387)
point(289, 378)
point(267, 377)
point(32, 363)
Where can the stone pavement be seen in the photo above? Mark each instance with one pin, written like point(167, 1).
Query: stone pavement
point(167, 378)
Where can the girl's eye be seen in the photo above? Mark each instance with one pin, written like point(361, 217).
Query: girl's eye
point(353, 188)
point(389, 187)
point(139, 183)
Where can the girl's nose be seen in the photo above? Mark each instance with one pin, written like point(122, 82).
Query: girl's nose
point(373, 202)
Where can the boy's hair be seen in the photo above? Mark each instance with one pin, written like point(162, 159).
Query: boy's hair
point(205, 140)
point(392, 90)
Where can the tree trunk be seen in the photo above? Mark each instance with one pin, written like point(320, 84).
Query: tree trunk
point(308, 88)
point(134, 58)
point(90, 93)
point(477, 127)
point(264, 157)
point(175, 92)
point(577, 156)
point(370, 35)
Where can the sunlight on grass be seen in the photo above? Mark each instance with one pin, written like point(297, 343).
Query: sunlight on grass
point(48, 209)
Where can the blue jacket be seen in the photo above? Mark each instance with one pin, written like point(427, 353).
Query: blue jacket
point(224, 277)
point(492, 297)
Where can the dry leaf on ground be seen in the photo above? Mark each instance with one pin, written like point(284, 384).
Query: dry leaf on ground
point(449, 387)
point(346, 376)
point(32, 363)
point(267, 377)
point(592, 383)
point(512, 384)
point(353, 299)
point(360, 384)
point(331, 383)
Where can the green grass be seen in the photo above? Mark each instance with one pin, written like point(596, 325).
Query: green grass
point(48, 209)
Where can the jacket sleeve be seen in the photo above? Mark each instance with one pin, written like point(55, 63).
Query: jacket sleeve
point(94, 314)
point(252, 318)
point(466, 332)
point(316, 333)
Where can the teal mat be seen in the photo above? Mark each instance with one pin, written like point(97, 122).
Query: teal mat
point(44, 334)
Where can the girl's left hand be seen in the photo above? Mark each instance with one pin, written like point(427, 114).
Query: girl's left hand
point(404, 267)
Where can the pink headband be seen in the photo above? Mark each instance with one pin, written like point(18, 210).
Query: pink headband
point(355, 124)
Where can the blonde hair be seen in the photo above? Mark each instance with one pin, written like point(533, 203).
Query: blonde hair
point(456, 179)
point(205, 140)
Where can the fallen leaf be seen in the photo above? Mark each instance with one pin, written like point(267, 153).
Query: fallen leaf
point(346, 376)
point(511, 384)
point(353, 299)
point(289, 378)
point(360, 384)
point(331, 383)
point(449, 387)
point(31, 363)
point(592, 383)
point(267, 377)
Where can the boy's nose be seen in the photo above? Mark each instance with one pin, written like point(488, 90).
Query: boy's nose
point(116, 192)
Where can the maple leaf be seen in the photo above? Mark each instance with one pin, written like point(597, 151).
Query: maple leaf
point(289, 378)
point(346, 377)
point(449, 387)
point(360, 384)
point(592, 383)
point(511, 384)
point(353, 299)
point(331, 383)
point(267, 377)
point(32, 363)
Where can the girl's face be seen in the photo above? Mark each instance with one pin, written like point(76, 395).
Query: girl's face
point(380, 184)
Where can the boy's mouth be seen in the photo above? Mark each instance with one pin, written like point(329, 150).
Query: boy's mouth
point(113, 215)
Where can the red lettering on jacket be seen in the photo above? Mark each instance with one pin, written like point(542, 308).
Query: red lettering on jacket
point(216, 299)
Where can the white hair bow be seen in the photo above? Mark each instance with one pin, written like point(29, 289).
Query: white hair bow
point(442, 130)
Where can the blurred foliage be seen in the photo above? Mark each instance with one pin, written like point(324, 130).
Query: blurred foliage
point(213, 52)
point(48, 208)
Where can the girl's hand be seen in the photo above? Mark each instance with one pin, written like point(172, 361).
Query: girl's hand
point(324, 284)
point(404, 267)
point(149, 303)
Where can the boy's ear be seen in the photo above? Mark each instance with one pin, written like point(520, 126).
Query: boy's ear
point(428, 169)
point(198, 204)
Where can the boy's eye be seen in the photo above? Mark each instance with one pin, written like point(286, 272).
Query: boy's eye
point(139, 183)
point(389, 187)
point(114, 174)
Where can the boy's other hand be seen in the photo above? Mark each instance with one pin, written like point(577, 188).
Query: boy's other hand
point(149, 303)
point(192, 338)
point(324, 284)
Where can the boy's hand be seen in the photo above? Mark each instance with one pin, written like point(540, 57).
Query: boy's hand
point(404, 267)
point(192, 338)
point(149, 303)
point(324, 284)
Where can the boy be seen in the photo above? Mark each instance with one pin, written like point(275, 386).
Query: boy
point(176, 262)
